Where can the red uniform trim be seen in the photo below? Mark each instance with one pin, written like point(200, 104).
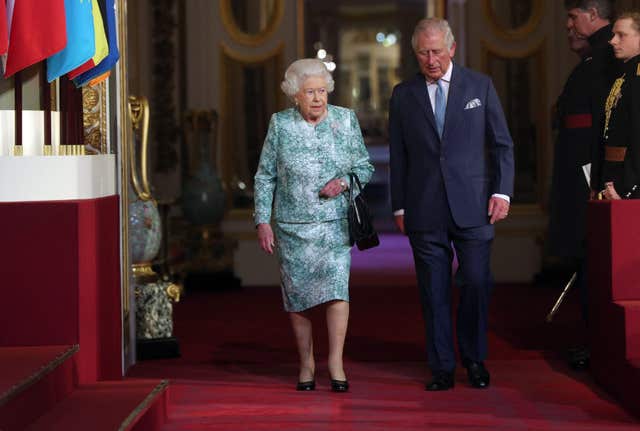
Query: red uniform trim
point(577, 121)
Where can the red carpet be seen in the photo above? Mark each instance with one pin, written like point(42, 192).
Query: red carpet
point(239, 365)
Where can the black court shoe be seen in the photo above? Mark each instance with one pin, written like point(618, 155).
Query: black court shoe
point(441, 381)
point(306, 386)
point(339, 385)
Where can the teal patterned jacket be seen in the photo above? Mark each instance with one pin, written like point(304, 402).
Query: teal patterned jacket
point(298, 159)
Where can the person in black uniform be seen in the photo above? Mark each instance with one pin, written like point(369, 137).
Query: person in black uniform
point(620, 154)
point(591, 19)
point(569, 187)
point(579, 118)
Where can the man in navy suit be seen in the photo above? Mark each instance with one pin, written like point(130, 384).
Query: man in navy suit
point(452, 176)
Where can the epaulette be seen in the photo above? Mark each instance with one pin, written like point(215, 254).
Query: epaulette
point(638, 70)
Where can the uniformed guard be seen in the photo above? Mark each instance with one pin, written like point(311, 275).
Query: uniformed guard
point(620, 155)
point(578, 120)
point(572, 150)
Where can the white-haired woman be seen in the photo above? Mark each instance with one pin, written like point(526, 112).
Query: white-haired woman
point(302, 176)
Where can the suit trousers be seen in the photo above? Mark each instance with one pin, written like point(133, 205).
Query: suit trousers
point(433, 253)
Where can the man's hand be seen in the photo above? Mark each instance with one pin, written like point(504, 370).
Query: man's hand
point(399, 219)
point(333, 188)
point(265, 237)
point(498, 209)
point(610, 192)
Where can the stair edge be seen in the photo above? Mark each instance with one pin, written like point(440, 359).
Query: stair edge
point(143, 406)
point(18, 388)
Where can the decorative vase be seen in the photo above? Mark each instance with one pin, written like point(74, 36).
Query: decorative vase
point(144, 231)
point(154, 310)
point(203, 199)
point(209, 255)
point(144, 220)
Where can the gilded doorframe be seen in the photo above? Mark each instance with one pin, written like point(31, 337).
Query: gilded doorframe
point(226, 166)
point(520, 32)
point(239, 36)
point(124, 140)
point(537, 50)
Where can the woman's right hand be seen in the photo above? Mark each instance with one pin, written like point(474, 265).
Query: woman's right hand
point(265, 237)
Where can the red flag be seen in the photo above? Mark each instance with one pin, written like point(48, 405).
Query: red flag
point(81, 69)
point(3, 27)
point(38, 30)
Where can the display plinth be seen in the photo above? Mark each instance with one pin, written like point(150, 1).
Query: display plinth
point(614, 297)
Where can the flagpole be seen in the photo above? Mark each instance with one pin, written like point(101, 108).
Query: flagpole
point(17, 145)
point(45, 96)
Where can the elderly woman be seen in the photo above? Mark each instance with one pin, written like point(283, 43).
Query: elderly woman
point(302, 176)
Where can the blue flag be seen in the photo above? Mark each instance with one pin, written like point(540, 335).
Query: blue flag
point(80, 39)
point(108, 9)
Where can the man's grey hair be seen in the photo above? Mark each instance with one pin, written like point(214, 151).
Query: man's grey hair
point(431, 24)
point(300, 70)
point(603, 7)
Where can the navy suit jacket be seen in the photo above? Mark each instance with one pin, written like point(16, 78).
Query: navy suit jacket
point(458, 173)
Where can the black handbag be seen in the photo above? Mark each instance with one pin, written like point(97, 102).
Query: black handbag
point(361, 231)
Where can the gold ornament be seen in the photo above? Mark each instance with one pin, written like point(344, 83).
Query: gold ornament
point(614, 96)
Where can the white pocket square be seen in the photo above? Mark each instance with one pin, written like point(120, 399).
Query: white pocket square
point(473, 104)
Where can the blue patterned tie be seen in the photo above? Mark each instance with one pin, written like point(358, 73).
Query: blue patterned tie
point(440, 108)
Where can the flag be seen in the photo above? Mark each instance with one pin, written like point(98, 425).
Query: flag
point(99, 79)
point(81, 44)
point(102, 47)
point(81, 69)
point(9, 11)
point(108, 9)
point(37, 31)
point(4, 24)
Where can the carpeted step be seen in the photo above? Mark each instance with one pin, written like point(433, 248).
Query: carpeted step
point(139, 405)
point(632, 328)
point(615, 355)
point(32, 380)
point(622, 380)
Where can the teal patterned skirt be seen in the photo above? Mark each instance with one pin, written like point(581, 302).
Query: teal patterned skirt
point(315, 259)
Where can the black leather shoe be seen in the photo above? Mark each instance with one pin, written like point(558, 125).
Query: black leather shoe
point(441, 381)
point(478, 375)
point(579, 358)
point(339, 385)
point(306, 386)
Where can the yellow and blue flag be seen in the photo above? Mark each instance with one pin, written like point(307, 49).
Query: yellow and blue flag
point(107, 8)
point(81, 44)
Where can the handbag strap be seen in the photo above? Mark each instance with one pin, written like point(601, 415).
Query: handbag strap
point(354, 177)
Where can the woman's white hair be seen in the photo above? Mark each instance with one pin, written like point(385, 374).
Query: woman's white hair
point(431, 24)
point(300, 70)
